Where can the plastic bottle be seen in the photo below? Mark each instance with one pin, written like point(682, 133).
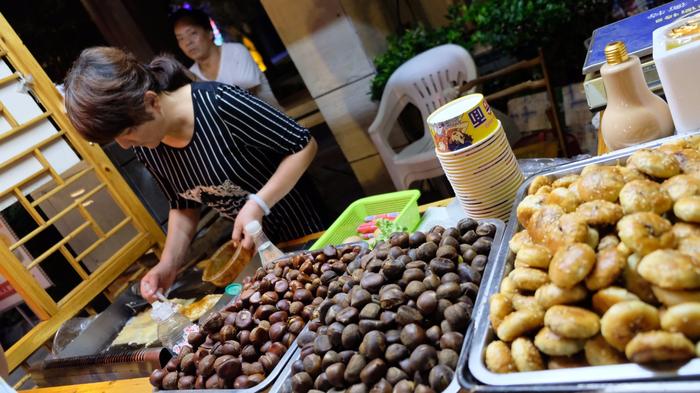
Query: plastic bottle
point(268, 252)
point(173, 327)
point(230, 294)
point(634, 114)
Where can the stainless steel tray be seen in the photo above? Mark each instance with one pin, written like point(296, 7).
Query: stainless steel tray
point(261, 387)
point(266, 383)
point(284, 382)
point(475, 376)
point(284, 385)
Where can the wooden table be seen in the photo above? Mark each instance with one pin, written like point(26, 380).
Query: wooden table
point(135, 385)
point(138, 385)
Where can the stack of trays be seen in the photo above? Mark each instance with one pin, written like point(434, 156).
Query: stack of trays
point(476, 157)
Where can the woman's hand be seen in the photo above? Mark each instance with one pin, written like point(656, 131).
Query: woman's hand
point(250, 212)
point(182, 225)
point(161, 276)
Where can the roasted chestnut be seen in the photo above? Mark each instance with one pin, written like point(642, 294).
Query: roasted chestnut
point(394, 375)
point(393, 268)
point(479, 263)
point(482, 245)
point(355, 365)
point(156, 378)
point(335, 374)
point(331, 357)
point(440, 377)
point(431, 281)
point(424, 357)
point(433, 334)
point(187, 364)
point(348, 315)
point(249, 353)
point(258, 336)
point(170, 381)
point(322, 344)
point(469, 237)
point(441, 265)
point(244, 320)
point(195, 339)
point(457, 316)
point(391, 298)
point(426, 251)
point(449, 358)
point(312, 364)
point(486, 229)
point(303, 295)
point(372, 282)
point(230, 369)
point(412, 335)
point(241, 382)
point(416, 239)
point(450, 291)
point(414, 289)
point(466, 224)
point(373, 345)
point(407, 315)
point(370, 311)
point(335, 332)
point(451, 340)
point(373, 371)
point(186, 382)
point(322, 383)
point(447, 251)
point(404, 386)
point(399, 239)
point(395, 353)
point(213, 323)
point(412, 275)
point(227, 332)
point(277, 330)
point(351, 336)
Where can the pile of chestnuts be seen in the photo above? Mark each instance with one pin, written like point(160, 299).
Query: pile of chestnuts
point(240, 345)
point(397, 321)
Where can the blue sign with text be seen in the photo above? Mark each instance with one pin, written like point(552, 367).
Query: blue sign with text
point(635, 31)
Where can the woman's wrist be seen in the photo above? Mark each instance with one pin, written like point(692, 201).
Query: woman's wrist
point(169, 263)
point(260, 202)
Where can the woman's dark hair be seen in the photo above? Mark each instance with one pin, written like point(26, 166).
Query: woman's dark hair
point(105, 88)
point(193, 17)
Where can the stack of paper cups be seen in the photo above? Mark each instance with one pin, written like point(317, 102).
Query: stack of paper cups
point(476, 157)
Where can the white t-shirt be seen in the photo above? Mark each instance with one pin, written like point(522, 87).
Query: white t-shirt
point(237, 67)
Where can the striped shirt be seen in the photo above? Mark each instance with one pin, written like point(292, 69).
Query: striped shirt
point(237, 145)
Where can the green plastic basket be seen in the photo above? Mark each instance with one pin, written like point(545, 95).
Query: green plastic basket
point(404, 202)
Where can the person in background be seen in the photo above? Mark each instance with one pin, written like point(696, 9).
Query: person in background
point(204, 142)
point(230, 63)
point(4, 369)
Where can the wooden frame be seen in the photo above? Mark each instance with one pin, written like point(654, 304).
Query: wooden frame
point(148, 235)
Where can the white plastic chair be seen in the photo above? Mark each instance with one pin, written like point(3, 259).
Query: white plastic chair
point(427, 81)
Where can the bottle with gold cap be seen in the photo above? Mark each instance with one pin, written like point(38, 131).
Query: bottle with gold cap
point(634, 114)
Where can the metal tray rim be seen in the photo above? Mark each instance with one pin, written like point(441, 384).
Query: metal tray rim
point(589, 377)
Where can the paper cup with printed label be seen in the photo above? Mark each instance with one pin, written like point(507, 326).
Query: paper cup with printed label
point(462, 123)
